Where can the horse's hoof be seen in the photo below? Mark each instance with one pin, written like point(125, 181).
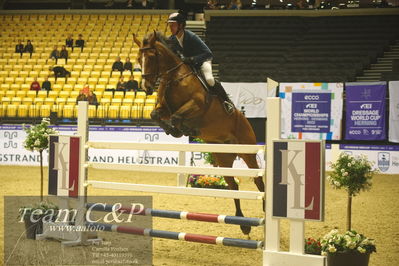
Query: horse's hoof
point(245, 229)
point(176, 133)
point(175, 120)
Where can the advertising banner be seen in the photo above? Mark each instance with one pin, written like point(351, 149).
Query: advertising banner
point(385, 158)
point(249, 97)
point(365, 110)
point(311, 110)
point(12, 151)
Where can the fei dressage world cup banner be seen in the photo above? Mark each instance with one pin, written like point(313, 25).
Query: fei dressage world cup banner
point(365, 110)
point(311, 110)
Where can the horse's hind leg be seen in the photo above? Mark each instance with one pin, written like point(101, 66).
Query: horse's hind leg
point(250, 160)
point(226, 160)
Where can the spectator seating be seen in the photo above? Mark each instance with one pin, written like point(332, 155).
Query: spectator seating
point(106, 36)
point(298, 49)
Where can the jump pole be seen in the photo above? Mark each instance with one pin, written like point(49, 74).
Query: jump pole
point(182, 215)
point(204, 239)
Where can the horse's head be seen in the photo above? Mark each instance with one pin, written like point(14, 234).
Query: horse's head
point(148, 59)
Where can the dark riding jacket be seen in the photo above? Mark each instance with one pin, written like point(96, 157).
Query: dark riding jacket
point(193, 47)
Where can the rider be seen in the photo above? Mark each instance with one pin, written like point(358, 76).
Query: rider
point(195, 53)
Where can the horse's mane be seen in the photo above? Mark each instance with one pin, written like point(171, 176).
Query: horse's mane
point(162, 39)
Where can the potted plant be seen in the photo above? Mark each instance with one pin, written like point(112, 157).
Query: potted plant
point(312, 246)
point(205, 181)
point(37, 139)
point(354, 174)
point(348, 249)
point(33, 216)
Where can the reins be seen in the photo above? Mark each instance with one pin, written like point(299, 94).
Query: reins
point(167, 72)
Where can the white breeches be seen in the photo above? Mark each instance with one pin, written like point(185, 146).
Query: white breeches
point(206, 69)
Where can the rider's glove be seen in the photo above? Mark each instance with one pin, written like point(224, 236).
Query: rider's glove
point(188, 60)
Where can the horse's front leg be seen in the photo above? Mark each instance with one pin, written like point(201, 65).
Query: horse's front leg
point(186, 111)
point(161, 115)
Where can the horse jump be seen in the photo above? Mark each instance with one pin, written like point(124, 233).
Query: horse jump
point(271, 253)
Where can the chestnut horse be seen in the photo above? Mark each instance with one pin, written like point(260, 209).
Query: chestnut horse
point(185, 107)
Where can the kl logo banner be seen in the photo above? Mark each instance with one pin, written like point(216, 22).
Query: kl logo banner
point(298, 180)
point(64, 166)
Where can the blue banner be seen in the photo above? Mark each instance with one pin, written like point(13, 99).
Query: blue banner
point(365, 111)
point(311, 112)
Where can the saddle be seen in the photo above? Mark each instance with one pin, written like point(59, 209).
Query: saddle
point(228, 105)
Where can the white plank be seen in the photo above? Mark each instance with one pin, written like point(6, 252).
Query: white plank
point(219, 193)
point(224, 171)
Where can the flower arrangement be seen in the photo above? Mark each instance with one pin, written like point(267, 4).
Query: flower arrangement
point(350, 242)
point(204, 181)
point(354, 174)
point(312, 246)
point(37, 139)
point(37, 136)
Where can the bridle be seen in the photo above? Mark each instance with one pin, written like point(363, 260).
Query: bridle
point(157, 74)
point(144, 75)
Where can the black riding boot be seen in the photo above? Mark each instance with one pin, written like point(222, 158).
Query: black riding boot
point(222, 95)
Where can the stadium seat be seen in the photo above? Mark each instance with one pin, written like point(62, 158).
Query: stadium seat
point(124, 112)
point(52, 94)
point(11, 110)
point(136, 112)
point(41, 94)
point(68, 111)
point(20, 94)
point(49, 101)
point(116, 101)
point(22, 110)
point(38, 101)
point(119, 94)
point(16, 100)
point(113, 112)
point(45, 110)
point(10, 93)
point(101, 111)
point(92, 111)
point(130, 95)
point(27, 101)
point(31, 94)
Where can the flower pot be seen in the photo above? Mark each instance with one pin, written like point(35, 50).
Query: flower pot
point(348, 259)
point(32, 228)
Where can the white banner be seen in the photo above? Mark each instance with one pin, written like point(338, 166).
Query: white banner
point(286, 94)
point(249, 97)
point(393, 111)
point(13, 153)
